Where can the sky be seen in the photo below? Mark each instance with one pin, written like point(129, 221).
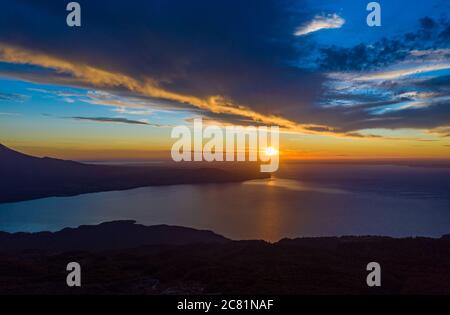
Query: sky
point(116, 86)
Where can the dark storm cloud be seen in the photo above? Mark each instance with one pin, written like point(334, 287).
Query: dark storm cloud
point(240, 50)
point(202, 47)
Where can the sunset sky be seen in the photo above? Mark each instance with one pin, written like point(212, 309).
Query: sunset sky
point(115, 87)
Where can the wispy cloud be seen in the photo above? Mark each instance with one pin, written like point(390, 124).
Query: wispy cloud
point(320, 22)
point(407, 71)
point(113, 120)
point(12, 97)
point(124, 110)
point(122, 104)
point(8, 114)
point(443, 131)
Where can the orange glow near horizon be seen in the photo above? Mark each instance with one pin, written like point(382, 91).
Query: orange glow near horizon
point(301, 149)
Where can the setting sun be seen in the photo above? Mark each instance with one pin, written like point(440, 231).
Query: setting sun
point(270, 151)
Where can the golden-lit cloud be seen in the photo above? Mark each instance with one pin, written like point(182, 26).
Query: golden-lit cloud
point(217, 104)
point(443, 131)
point(100, 78)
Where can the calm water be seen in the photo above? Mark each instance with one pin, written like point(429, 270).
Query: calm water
point(301, 201)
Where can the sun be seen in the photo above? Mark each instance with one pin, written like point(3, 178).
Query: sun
point(270, 151)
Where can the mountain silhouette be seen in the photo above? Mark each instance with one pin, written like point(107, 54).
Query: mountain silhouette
point(107, 236)
point(123, 257)
point(25, 177)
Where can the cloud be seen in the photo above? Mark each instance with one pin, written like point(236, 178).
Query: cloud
point(443, 131)
point(406, 71)
point(320, 22)
point(424, 44)
point(124, 110)
point(8, 114)
point(411, 91)
point(132, 105)
point(113, 120)
point(105, 79)
point(433, 116)
point(236, 63)
point(12, 97)
point(234, 60)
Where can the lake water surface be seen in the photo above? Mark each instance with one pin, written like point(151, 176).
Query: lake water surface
point(300, 201)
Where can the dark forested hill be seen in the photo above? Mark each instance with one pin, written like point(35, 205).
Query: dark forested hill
point(25, 177)
point(127, 258)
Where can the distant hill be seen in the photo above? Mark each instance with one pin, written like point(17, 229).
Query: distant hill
point(106, 236)
point(25, 177)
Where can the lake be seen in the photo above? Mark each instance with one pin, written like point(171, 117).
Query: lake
point(301, 200)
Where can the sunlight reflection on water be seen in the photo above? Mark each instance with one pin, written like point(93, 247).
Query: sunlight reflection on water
point(295, 185)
